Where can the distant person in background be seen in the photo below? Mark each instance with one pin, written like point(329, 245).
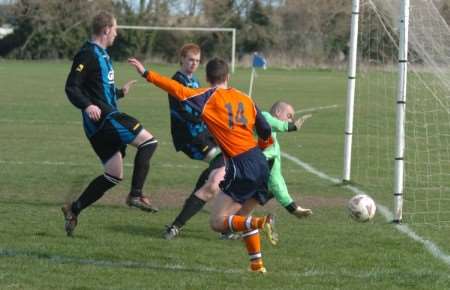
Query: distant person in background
point(90, 87)
point(191, 136)
point(281, 119)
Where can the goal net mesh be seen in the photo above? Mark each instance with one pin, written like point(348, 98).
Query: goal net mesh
point(427, 157)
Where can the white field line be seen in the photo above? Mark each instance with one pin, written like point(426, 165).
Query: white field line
point(317, 109)
point(385, 212)
point(66, 163)
point(429, 245)
point(47, 122)
point(130, 165)
point(179, 267)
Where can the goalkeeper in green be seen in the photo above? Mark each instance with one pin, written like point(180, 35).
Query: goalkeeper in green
point(281, 119)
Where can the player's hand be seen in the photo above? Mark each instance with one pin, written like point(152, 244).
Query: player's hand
point(137, 65)
point(126, 87)
point(94, 112)
point(301, 212)
point(299, 123)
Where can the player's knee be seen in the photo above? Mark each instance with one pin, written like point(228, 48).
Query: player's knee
point(210, 189)
point(212, 184)
point(216, 224)
point(143, 135)
point(115, 172)
point(204, 194)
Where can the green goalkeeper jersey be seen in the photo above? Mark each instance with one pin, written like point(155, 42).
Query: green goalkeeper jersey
point(277, 185)
point(273, 152)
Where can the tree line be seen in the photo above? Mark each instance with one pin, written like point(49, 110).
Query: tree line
point(294, 32)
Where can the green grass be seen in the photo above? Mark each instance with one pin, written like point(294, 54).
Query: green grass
point(46, 160)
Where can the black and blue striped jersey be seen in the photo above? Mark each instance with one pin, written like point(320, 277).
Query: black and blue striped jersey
point(187, 128)
point(91, 82)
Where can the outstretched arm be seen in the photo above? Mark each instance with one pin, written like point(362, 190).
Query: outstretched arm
point(172, 87)
point(278, 125)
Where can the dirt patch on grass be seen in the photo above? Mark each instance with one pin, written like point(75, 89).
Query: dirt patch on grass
point(162, 198)
point(174, 198)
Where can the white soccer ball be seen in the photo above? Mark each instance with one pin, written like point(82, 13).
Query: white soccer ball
point(361, 208)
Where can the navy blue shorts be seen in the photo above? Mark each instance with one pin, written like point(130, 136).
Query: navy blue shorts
point(246, 177)
point(118, 130)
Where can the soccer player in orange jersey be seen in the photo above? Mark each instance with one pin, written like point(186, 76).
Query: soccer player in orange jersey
point(231, 117)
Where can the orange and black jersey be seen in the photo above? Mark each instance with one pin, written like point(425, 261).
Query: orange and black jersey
point(231, 116)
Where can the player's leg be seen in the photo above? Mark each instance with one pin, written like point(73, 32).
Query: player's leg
point(245, 214)
point(192, 205)
point(94, 191)
point(146, 145)
point(245, 183)
point(205, 190)
point(225, 218)
point(277, 186)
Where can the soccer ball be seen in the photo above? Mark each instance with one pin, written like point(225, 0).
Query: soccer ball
point(361, 208)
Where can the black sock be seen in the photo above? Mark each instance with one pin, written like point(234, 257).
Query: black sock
point(142, 165)
point(94, 191)
point(201, 179)
point(291, 207)
point(191, 206)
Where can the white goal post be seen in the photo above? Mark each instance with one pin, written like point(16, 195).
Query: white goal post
point(203, 29)
point(398, 101)
point(401, 102)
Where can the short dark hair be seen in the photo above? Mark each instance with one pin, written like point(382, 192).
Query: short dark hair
point(101, 21)
point(216, 71)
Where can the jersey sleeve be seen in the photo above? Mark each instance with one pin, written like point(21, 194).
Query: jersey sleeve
point(81, 66)
point(276, 124)
point(197, 98)
point(262, 126)
point(172, 87)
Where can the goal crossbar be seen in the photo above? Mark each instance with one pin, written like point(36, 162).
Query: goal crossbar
point(203, 29)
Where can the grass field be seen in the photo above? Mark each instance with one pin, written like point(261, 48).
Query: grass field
point(45, 161)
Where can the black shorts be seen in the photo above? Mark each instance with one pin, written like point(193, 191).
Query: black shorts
point(118, 130)
point(246, 177)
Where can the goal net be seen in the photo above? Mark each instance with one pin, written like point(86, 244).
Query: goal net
point(426, 194)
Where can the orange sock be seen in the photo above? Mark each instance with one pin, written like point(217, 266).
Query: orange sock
point(238, 223)
point(253, 244)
